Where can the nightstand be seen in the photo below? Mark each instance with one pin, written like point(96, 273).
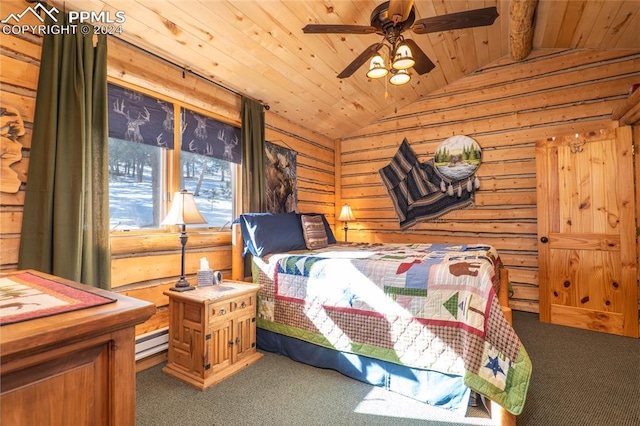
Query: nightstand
point(212, 332)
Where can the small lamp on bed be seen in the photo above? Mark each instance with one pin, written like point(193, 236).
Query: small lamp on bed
point(183, 212)
point(346, 215)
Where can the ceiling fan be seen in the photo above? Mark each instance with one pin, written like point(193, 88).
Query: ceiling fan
point(390, 20)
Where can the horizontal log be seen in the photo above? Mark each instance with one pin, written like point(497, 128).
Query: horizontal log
point(9, 199)
point(18, 73)
point(524, 305)
point(316, 196)
point(527, 276)
point(528, 260)
point(157, 321)
point(10, 220)
point(151, 292)
point(469, 214)
point(505, 198)
point(486, 169)
point(127, 243)
point(481, 227)
point(370, 185)
point(482, 199)
point(127, 270)
point(9, 249)
point(525, 292)
point(626, 105)
point(20, 46)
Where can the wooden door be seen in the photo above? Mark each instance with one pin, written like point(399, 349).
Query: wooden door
point(587, 231)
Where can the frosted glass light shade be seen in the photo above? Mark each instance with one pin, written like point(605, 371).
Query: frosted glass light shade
point(403, 58)
point(400, 77)
point(377, 68)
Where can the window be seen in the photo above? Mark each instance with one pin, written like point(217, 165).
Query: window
point(209, 158)
point(141, 154)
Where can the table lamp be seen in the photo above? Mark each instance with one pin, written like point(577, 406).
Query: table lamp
point(183, 212)
point(346, 215)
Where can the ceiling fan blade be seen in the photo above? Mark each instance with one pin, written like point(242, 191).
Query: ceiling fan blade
point(399, 10)
point(338, 29)
point(361, 59)
point(423, 64)
point(456, 21)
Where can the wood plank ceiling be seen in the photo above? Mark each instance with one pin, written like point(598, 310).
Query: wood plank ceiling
point(257, 48)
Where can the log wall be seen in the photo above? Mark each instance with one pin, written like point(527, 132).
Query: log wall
point(19, 62)
point(505, 107)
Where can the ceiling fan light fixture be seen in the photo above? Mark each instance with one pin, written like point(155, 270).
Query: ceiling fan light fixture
point(403, 58)
point(377, 68)
point(400, 77)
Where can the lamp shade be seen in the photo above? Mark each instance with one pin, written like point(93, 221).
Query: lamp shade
point(403, 58)
point(377, 68)
point(183, 210)
point(346, 215)
point(400, 77)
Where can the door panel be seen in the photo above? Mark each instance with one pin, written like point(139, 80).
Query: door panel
point(586, 231)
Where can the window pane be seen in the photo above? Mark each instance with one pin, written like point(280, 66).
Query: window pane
point(136, 185)
point(212, 183)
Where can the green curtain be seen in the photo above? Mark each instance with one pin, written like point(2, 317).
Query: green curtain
point(65, 228)
point(254, 195)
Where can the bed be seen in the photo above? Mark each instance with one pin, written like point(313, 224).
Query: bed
point(429, 321)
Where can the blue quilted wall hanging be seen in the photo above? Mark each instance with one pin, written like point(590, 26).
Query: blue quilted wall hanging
point(422, 191)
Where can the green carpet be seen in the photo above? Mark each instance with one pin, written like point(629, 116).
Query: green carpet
point(579, 378)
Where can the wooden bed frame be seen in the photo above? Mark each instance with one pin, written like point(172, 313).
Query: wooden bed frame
point(499, 415)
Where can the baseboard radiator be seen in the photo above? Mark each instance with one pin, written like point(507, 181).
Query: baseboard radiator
point(151, 343)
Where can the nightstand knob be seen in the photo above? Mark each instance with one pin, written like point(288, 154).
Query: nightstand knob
point(243, 305)
point(230, 342)
point(222, 311)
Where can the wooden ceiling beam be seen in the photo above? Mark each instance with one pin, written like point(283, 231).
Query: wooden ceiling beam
point(521, 26)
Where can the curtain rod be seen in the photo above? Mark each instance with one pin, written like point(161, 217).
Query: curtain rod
point(187, 70)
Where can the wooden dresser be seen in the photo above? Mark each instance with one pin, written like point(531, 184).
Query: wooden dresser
point(212, 332)
point(75, 368)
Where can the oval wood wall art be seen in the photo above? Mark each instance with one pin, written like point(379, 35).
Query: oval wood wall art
point(458, 157)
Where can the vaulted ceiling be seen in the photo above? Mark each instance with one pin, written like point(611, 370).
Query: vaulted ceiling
point(258, 48)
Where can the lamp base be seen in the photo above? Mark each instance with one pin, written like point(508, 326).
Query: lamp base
point(182, 285)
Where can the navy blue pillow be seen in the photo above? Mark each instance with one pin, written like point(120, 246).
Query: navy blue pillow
point(266, 233)
point(331, 239)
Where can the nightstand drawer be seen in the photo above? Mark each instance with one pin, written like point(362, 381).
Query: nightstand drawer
point(219, 309)
point(247, 302)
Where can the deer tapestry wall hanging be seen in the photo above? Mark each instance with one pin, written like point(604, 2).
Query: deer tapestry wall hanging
point(136, 117)
point(422, 191)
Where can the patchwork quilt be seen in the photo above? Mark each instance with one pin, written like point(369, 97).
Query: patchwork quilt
point(428, 306)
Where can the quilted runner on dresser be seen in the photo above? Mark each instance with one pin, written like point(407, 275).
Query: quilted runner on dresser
point(428, 306)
